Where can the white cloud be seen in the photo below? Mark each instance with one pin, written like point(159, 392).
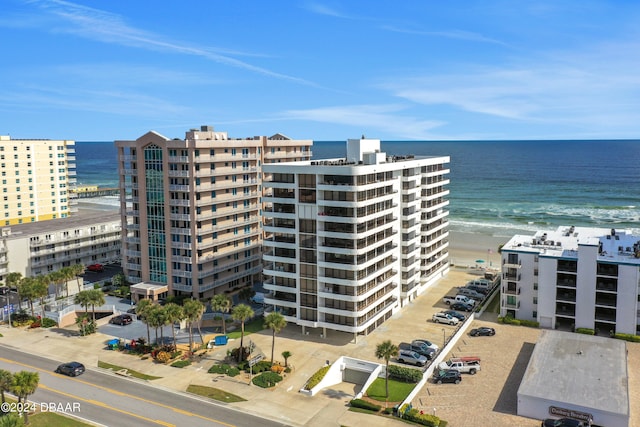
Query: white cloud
point(107, 27)
point(384, 118)
point(451, 34)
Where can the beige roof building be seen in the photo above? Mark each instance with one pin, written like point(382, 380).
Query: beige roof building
point(191, 208)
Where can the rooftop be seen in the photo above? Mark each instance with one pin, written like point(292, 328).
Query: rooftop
point(615, 245)
point(578, 369)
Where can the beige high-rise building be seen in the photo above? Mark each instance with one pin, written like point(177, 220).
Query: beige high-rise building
point(191, 209)
point(37, 176)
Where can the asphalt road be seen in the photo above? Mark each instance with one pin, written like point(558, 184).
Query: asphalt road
point(114, 401)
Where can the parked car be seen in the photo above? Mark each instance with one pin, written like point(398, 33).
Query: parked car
point(460, 306)
point(444, 318)
point(427, 352)
point(455, 314)
point(122, 319)
point(478, 289)
point(466, 364)
point(562, 422)
point(424, 343)
point(411, 357)
point(96, 268)
point(482, 332)
point(468, 292)
point(447, 376)
point(72, 369)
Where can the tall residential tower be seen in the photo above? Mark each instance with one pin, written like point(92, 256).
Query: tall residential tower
point(349, 241)
point(191, 208)
point(37, 176)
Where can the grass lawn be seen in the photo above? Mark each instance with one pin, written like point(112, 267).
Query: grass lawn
point(134, 374)
point(48, 419)
point(494, 305)
point(214, 393)
point(398, 391)
point(256, 325)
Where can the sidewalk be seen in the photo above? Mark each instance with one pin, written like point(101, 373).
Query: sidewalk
point(283, 402)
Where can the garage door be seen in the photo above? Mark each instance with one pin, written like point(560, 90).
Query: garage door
point(354, 376)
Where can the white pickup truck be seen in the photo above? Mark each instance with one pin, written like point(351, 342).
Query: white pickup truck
point(469, 365)
point(459, 298)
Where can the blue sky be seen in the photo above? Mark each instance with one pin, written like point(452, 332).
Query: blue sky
point(322, 70)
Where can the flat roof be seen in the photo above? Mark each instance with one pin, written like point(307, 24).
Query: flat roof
point(616, 245)
point(578, 369)
point(88, 214)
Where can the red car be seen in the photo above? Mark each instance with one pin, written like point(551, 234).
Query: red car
point(96, 268)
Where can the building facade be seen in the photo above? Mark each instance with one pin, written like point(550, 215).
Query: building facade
point(37, 177)
point(39, 248)
point(191, 208)
point(574, 277)
point(349, 241)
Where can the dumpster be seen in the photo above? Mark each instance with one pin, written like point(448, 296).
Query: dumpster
point(221, 340)
point(113, 344)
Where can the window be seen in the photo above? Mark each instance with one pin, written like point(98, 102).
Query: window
point(535, 286)
point(535, 314)
point(535, 300)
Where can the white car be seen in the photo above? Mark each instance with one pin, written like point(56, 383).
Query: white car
point(444, 318)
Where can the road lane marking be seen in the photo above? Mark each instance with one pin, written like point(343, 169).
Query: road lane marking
point(118, 393)
point(104, 405)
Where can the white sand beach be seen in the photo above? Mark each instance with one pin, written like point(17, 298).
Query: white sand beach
point(475, 250)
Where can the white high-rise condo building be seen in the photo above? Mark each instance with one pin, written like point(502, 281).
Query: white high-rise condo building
point(191, 209)
point(349, 241)
point(37, 176)
point(574, 277)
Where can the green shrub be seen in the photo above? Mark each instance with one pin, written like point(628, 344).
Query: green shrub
point(48, 323)
point(359, 403)
point(529, 323)
point(96, 286)
point(317, 377)
point(224, 369)
point(627, 337)
point(407, 375)
point(585, 331)
point(424, 419)
point(181, 363)
point(175, 354)
point(267, 379)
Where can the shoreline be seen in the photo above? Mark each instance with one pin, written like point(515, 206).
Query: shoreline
point(465, 249)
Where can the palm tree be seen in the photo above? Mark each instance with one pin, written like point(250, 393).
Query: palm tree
point(58, 279)
point(77, 270)
point(11, 420)
point(386, 350)
point(83, 298)
point(13, 281)
point(6, 381)
point(193, 310)
point(276, 322)
point(153, 318)
point(96, 297)
point(28, 286)
point(25, 383)
point(67, 274)
point(242, 313)
point(173, 313)
point(142, 308)
point(221, 303)
point(286, 355)
point(41, 289)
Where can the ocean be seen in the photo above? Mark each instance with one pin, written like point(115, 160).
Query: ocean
point(498, 188)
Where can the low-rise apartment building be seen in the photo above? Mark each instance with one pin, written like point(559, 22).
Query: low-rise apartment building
point(348, 241)
point(574, 277)
point(88, 237)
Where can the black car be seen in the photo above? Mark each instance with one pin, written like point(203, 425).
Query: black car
point(455, 314)
point(122, 319)
point(562, 422)
point(428, 352)
point(460, 306)
point(447, 376)
point(73, 369)
point(482, 332)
